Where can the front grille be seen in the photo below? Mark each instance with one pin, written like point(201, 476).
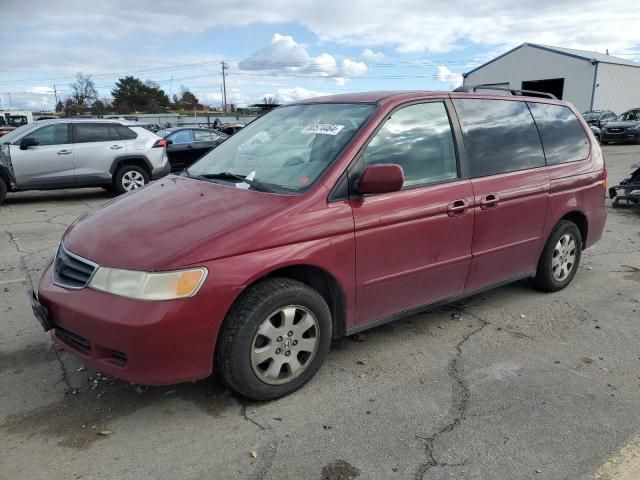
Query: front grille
point(615, 130)
point(70, 270)
point(73, 339)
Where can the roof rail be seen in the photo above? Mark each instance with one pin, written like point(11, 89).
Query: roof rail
point(513, 91)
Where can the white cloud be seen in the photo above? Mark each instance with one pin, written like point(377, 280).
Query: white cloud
point(371, 56)
point(285, 95)
point(417, 25)
point(286, 56)
point(42, 90)
point(443, 74)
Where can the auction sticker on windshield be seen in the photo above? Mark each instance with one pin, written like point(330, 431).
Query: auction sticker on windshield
point(323, 128)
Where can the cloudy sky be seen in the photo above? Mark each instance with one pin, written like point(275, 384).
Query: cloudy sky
point(289, 49)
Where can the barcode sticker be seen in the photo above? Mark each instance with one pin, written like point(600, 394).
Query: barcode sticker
point(322, 128)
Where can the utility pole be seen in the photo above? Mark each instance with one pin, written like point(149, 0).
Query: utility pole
point(170, 88)
point(224, 84)
point(55, 94)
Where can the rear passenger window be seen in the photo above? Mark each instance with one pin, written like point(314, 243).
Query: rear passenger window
point(96, 132)
point(499, 136)
point(562, 135)
point(202, 136)
point(419, 139)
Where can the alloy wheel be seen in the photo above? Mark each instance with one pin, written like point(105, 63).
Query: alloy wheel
point(564, 257)
point(132, 180)
point(285, 344)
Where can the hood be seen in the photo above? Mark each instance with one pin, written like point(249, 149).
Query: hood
point(617, 124)
point(146, 229)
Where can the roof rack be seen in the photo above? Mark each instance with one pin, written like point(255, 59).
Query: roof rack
point(513, 91)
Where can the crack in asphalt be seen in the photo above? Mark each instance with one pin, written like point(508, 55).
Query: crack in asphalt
point(248, 419)
point(22, 255)
point(459, 400)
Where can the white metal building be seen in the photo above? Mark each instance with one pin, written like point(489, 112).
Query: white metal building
point(589, 80)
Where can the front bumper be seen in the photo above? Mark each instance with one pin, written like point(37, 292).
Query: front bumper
point(619, 136)
point(150, 343)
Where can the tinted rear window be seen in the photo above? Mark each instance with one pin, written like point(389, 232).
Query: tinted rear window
point(125, 133)
point(562, 135)
point(95, 132)
point(499, 136)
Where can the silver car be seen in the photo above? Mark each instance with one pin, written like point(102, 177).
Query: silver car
point(67, 153)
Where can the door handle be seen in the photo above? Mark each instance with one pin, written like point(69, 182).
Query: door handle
point(189, 146)
point(64, 152)
point(457, 207)
point(488, 201)
point(115, 147)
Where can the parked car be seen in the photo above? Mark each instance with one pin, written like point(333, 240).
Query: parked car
point(625, 129)
point(596, 132)
point(250, 265)
point(69, 153)
point(186, 144)
point(599, 117)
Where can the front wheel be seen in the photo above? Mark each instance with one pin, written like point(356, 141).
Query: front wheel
point(560, 258)
point(274, 339)
point(130, 178)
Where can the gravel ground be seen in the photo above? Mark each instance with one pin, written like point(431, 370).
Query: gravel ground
point(519, 385)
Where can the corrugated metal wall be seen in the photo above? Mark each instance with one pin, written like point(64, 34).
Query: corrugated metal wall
point(529, 63)
point(617, 88)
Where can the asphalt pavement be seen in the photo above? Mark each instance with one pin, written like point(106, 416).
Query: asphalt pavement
point(509, 384)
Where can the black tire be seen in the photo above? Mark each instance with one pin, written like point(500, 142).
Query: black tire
point(119, 179)
point(545, 280)
point(3, 190)
point(240, 328)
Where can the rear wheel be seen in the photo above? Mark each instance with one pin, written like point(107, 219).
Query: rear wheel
point(560, 258)
point(274, 339)
point(130, 178)
point(3, 190)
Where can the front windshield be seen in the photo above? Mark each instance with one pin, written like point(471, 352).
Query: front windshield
point(18, 132)
point(632, 116)
point(288, 148)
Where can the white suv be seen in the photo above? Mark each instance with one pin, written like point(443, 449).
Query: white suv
point(69, 153)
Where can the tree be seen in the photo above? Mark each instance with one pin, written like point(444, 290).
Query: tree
point(84, 91)
point(131, 94)
point(59, 106)
point(187, 100)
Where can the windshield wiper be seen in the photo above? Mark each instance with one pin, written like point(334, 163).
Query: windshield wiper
point(231, 176)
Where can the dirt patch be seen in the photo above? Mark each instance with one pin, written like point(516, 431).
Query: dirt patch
point(76, 420)
point(339, 470)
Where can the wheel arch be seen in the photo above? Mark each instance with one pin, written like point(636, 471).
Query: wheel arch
point(320, 280)
point(137, 160)
point(580, 219)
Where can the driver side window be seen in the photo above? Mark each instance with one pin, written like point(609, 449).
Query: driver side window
point(420, 140)
point(56, 134)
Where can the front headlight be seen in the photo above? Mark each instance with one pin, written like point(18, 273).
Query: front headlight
point(634, 128)
point(148, 285)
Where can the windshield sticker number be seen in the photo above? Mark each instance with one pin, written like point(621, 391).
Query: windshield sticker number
point(322, 129)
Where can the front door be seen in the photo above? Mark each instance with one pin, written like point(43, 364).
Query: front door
point(48, 164)
point(511, 188)
point(413, 247)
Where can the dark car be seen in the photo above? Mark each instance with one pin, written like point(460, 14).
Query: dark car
point(625, 129)
point(599, 117)
point(378, 205)
point(189, 144)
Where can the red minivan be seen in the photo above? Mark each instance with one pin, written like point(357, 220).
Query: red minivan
point(321, 219)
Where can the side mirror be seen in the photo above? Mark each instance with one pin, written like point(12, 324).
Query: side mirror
point(169, 142)
point(381, 178)
point(28, 142)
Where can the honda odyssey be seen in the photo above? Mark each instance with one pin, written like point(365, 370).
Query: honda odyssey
point(352, 211)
